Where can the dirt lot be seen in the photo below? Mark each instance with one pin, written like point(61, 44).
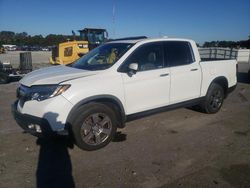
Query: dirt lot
point(39, 58)
point(180, 148)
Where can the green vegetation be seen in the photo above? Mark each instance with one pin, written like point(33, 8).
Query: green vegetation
point(228, 44)
point(20, 39)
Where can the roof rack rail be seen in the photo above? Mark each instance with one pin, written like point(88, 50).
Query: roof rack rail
point(131, 38)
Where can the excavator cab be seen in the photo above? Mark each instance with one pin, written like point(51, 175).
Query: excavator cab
point(68, 52)
point(94, 36)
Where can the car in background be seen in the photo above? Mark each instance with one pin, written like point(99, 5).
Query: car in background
point(45, 49)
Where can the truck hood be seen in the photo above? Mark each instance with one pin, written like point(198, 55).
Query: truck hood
point(54, 75)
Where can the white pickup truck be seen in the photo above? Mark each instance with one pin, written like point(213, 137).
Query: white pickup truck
point(118, 81)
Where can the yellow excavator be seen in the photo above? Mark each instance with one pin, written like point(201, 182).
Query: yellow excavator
point(2, 50)
point(68, 52)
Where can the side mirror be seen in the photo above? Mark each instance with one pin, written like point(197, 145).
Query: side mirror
point(133, 68)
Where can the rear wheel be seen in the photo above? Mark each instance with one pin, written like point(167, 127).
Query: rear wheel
point(213, 100)
point(94, 126)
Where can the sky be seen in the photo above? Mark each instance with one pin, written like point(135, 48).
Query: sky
point(201, 20)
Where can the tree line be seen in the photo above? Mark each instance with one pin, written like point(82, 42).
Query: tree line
point(23, 38)
point(228, 44)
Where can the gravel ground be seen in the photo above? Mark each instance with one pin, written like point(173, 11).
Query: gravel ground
point(39, 58)
point(179, 148)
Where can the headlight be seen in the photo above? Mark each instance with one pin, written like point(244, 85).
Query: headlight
point(43, 92)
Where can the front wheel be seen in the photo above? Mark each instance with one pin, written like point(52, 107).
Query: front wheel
point(213, 100)
point(94, 126)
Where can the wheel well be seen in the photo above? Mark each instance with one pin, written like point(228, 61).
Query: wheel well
point(222, 81)
point(116, 107)
point(114, 104)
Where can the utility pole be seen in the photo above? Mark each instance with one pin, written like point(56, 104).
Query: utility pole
point(113, 19)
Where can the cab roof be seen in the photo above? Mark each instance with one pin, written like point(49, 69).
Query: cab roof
point(145, 40)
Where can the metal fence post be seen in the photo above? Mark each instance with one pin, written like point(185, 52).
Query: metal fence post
point(249, 57)
point(236, 54)
point(231, 52)
point(225, 52)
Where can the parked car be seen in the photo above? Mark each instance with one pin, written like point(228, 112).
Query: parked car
point(116, 82)
point(45, 49)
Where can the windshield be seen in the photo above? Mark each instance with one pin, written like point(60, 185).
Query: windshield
point(95, 37)
point(102, 57)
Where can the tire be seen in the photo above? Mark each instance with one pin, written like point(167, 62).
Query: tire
point(4, 78)
point(213, 100)
point(94, 126)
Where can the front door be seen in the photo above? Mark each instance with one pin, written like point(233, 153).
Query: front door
point(149, 87)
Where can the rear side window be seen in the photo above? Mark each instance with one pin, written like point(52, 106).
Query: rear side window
point(178, 53)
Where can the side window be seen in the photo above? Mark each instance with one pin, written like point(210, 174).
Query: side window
point(68, 51)
point(148, 57)
point(178, 53)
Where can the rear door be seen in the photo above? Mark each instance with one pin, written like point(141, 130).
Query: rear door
point(184, 69)
point(149, 87)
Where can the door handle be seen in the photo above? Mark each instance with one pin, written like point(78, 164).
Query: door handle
point(194, 69)
point(162, 75)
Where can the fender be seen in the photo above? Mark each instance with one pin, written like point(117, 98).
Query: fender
point(221, 80)
point(105, 99)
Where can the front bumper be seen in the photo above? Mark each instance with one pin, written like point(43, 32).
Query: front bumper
point(34, 125)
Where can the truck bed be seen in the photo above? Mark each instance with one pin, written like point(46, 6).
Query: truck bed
point(213, 68)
